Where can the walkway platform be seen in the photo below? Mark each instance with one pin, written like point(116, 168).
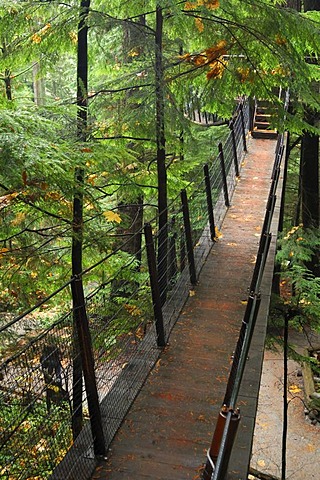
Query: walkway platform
point(169, 428)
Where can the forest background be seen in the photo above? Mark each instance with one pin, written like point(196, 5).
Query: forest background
point(97, 134)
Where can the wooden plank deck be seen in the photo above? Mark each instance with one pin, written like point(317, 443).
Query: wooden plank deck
point(169, 428)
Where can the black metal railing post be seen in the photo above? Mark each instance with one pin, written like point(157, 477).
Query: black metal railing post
point(182, 250)
point(85, 344)
point(188, 235)
point(243, 129)
point(172, 253)
point(209, 202)
point(155, 290)
point(224, 175)
point(234, 149)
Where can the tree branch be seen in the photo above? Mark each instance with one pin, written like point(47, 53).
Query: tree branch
point(31, 204)
point(127, 137)
point(118, 90)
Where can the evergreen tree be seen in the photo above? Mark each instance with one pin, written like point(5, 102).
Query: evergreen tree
point(211, 52)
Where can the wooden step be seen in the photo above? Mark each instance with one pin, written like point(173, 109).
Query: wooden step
point(262, 117)
point(264, 103)
point(267, 134)
point(262, 125)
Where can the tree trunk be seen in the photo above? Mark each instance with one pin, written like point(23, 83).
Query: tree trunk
point(311, 5)
point(131, 213)
point(294, 4)
point(161, 159)
point(310, 162)
point(7, 81)
point(310, 180)
point(132, 217)
point(38, 85)
point(131, 236)
point(77, 222)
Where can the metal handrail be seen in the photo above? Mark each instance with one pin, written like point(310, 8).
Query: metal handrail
point(216, 467)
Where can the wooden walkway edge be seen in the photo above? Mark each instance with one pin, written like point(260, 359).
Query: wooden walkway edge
point(169, 427)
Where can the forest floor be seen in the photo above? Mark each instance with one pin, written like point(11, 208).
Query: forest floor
point(303, 447)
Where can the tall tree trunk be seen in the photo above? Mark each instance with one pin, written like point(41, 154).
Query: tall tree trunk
point(131, 212)
point(77, 238)
point(310, 162)
point(310, 5)
point(7, 81)
point(310, 180)
point(38, 85)
point(294, 4)
point(132, 216)
point(161, 159)
point(130, 209)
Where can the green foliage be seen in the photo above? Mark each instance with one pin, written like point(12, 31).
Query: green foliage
point(213, 51)
point(298, 250)
point(40, 441)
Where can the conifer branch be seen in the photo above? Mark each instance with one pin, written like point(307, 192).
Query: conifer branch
point(118, 90)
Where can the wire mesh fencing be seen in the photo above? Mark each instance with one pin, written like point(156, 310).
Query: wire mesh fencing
point(66, 386)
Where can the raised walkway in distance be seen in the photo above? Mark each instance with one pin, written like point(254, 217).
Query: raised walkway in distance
point(169, 428)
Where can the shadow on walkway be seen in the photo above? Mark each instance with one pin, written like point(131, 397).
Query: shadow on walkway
point(169, 428)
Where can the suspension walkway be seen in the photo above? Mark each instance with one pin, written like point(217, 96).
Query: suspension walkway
point(169, 428)
point(101, 381)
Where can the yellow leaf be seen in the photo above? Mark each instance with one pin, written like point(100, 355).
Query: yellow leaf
point(212, 4)
point(134, 52)
point(261, 463)
point(190, 6)
point(311, 448)
point(2, 251)
point(294, 389)
point(263, 425)
point(73, 36)
point(199, 24)
point(112, 216)
point(192, 293)
point(218, 234)
point(36, 38)
point(280, 40)
point(55, 388)
point(92, 178)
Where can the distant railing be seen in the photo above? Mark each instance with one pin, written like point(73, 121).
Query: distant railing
point(65, 388)
point(229, 417)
